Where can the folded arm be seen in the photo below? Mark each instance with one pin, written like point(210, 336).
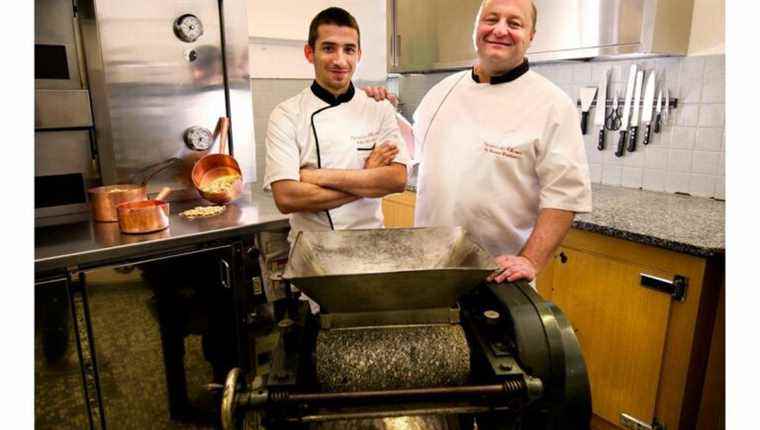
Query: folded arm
point(376, 182)
point(293, 196)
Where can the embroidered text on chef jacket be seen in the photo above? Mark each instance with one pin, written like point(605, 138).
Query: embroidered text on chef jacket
point(495, 154)
point(316, 130)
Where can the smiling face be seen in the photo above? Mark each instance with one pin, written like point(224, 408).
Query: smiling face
point(503, 33)
point(335, 54)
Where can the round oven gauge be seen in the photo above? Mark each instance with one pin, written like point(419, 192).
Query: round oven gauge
point(198, 138)
point(188, 28)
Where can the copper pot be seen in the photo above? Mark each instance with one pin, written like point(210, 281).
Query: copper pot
point(104, 200)
point(212, 167)
point(144, 216)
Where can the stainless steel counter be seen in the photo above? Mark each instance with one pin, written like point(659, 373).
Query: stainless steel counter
point(77, 241)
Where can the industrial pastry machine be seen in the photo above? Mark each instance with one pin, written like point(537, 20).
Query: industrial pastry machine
point(409, 335)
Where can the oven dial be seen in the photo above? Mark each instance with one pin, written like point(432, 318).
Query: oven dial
point(188, 28)
point(198, 138)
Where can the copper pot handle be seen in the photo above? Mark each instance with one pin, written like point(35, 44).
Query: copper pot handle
point(220, 133)
point(223, 133)
point(159, 167)
point(163, 193)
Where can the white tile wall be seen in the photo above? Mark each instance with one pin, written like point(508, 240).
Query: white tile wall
point(654, 179)
point(612, 175)
point(712, 115)
point(683, 137)
point(688, 156)
point(632, 177)
point(709, 139)
point(677, 182)
point(679, 160)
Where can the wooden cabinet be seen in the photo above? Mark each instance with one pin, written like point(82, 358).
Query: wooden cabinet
point(646, 353)
point(398, 209)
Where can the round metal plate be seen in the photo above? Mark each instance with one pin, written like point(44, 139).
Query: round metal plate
point(198, 138)
point(188, 28)
point(548, 349)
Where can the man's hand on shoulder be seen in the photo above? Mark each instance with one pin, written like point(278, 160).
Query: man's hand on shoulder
point(513, 268)
point(380, 94)
point(381, 156)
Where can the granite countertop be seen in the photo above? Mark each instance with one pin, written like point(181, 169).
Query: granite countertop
point(682, 223)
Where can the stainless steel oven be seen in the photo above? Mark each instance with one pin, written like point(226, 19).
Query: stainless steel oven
point(161, 73)
point(120, 86)
point(64, 146)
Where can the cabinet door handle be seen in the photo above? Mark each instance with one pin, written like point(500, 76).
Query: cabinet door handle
point(562, 257)
point(224, 268)
point(675, 288)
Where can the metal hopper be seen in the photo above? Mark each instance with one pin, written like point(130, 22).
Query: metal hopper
point(386, 269)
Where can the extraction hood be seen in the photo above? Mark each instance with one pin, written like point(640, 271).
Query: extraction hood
point(574, 29)
point(433, 35)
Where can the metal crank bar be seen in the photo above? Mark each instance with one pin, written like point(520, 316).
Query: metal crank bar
point(235, 402)
point(510, 389)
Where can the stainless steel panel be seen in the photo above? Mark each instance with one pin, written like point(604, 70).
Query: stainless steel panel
point(62, 152)
point(235, 16)
point(55, 211)
point(54, 25)
point(148, 86)
point(582, 24)
point(62, 109)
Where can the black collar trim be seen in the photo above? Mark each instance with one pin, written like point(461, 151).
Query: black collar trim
point(330, 99)
point(507, 77)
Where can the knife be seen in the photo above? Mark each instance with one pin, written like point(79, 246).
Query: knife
point(626, 111)
point(667, 106)
point(635, 115)
point(646, 115)
point(601, 108)
point(587, 96)
point(658, 117)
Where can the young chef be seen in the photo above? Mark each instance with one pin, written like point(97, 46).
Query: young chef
point(332, 151)
point(500, 148)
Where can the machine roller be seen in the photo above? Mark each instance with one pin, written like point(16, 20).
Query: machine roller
point(409, 335)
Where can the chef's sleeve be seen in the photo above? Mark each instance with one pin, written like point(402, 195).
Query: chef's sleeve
point(389, 130)
point(561, 164)
point(282, 159)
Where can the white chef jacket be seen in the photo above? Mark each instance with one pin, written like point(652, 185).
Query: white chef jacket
point(316, 130)
point(495, 154)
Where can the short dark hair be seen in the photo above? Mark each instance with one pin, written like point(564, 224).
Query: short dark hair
point(335, 16)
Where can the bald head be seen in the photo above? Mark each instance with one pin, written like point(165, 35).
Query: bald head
point(503, 32)
point(534, 13)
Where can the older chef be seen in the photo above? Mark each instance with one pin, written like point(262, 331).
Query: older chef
point(332, 151)
point(500, 149)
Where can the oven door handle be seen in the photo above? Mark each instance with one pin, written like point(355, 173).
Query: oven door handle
point(224, 270)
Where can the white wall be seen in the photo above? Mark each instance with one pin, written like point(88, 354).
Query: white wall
point(708, 28)
point(278, 34)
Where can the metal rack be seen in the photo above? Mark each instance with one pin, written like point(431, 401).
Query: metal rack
point(673, 103)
